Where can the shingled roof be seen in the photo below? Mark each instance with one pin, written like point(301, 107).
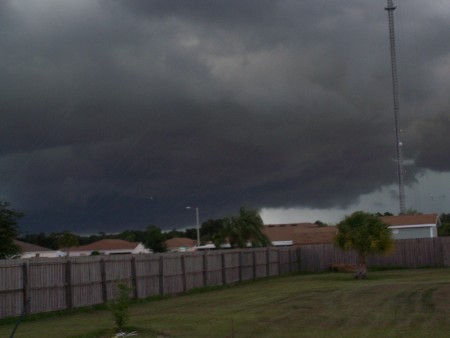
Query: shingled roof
point(300, 233)
point(28, 247)
point(105, 244)
point(179, 242)
point(404, 220)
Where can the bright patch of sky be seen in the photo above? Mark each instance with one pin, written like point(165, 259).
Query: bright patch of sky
point(429, 194)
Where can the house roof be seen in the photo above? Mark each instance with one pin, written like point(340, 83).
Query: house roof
point(178, 242)
point(105, 244)
point(28, 247)
point(405, 220)
point(300, 233)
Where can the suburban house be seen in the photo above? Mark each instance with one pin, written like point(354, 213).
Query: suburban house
point(413, 226)
point(180, 244)
point(299, 234)
point(32, 250)
point(107, 247)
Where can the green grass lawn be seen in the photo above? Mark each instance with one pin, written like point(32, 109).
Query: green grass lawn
point(392, 303)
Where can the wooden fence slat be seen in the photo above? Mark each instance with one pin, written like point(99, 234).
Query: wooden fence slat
point(103, 277)
point(68, 285)
point(26, 288)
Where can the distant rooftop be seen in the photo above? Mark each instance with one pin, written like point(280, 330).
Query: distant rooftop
point(178, 242)
point(105, 244)
point(28, 247)
point(410, 219)
point(300, 233)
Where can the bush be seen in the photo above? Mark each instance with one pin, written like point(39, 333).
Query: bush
point(342, 268)
point(119, 306)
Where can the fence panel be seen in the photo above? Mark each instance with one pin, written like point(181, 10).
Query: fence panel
point(172, 274)
point(117, 270)
point(294, 261)
point(444, 249)
point(284, 261)
point(261, 262)
point(319, 257)
point(147, 275)
point(194, 270)
point(273, 262)
point(247, 265)
point(12, 289)
point(215, 269)
point(232, 266)
point(86, 282)
point(47, 286)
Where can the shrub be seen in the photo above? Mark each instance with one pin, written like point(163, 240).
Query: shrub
point(342, 268)
point(119, 306)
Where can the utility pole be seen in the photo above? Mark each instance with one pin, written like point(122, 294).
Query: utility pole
point(197, 225)
point(400, 172)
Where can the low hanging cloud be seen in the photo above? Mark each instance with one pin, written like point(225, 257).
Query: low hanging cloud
point(119, 114)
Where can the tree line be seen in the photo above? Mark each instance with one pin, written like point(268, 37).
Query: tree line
point(238, 230)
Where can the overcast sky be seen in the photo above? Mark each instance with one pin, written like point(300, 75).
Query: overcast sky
point(119, 114)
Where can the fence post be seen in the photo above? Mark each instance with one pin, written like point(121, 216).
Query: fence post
point(68, 285)
point(134, 282)
point(279, 262)
point(224, 271)
point(183, 272)
point(240, 265)
point(299, 255)
point(267, 262)
point(103, 274)
point(26, 288)
point(254, 264)
point(161, 275)
point(205, 268)
point(290, 260)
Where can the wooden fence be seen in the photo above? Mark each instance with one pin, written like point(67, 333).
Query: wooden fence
point(407, 253)
point(50, 284)
point(66, 283)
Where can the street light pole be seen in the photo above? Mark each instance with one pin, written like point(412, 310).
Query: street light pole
point(197, 218)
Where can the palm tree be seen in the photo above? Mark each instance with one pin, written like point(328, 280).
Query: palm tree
point(243, 229)
point(365, 233)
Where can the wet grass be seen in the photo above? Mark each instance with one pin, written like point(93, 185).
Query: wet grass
point(394, 303)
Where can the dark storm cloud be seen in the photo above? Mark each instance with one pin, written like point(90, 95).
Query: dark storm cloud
point(431, 140)
point(117, 114)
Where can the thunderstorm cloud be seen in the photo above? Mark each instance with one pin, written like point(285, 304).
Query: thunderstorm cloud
point(119, 114)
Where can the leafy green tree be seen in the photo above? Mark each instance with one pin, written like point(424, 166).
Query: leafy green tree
point(132, 235)
point(40, 239)
point(174, 233)
point(444, 228)
point(387, 213)
point(210, 228)
point(320, 223)
point(191, 233)
point(8, 230)
point(242, 229)
point(154, 239)
point(67, 239)
point(364, 233)
point(411, 211)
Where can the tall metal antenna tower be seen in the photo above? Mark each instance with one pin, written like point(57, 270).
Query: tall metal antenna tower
point(401, 187)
